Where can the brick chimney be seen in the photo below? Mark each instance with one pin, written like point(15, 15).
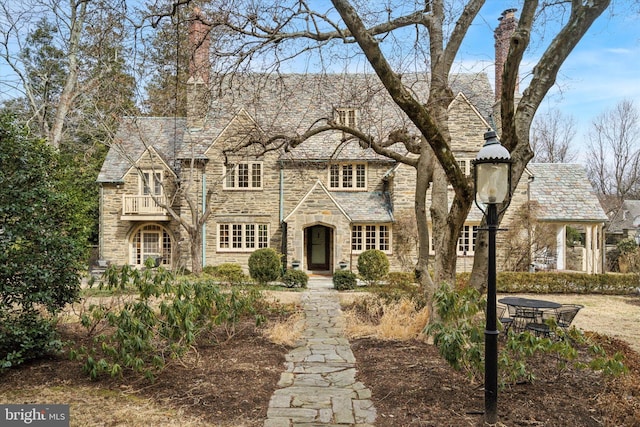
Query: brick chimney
point(502, 35)
point(199, 70)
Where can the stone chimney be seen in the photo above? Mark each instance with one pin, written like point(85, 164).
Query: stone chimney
point(502, 35)
point(199, 70)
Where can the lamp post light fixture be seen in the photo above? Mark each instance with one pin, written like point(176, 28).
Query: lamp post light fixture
point(492, 179)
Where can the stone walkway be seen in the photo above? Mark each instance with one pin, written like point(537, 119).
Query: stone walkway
point(319, 387)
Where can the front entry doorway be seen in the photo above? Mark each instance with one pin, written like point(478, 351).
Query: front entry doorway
point(318, 244)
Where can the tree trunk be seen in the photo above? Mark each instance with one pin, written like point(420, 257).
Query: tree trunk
point(78, 13)
point(195, 237)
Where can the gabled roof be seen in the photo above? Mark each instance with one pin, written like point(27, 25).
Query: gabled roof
point(285, 104)
point(134, 136)
point(564, 193)
point(358, 206)
point(294, 103)
point(627, 217)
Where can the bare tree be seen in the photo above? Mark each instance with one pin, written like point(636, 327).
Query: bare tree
point(613, 159)
point(551, 135)
point(63, 54)
point(284, 30)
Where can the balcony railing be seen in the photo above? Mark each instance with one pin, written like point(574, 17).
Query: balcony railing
point(142, 205)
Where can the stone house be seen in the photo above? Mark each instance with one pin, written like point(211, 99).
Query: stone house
point(319, 204)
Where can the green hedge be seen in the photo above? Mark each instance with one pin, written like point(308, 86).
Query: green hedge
point(563, 283)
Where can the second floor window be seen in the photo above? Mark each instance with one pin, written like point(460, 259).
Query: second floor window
point(243, 175)
point(151, 183)
point(348, 176)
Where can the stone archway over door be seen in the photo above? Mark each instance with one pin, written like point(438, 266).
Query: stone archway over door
point(318, 247)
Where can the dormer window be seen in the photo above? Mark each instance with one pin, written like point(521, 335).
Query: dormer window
point(348, 176)
point(346, 117)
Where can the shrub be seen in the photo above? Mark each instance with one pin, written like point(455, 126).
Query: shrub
point(295, 278)
point(402, 280)
point(373, 266)
point(41, 246)
point(265, 265)
point(163, 320)
point(230, 273)
point(458, 335)
point(344, 280)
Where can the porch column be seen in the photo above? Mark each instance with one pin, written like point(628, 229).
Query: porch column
point(588, 246)
point(561, 247)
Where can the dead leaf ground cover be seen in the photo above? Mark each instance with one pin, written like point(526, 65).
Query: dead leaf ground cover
point(230, 384)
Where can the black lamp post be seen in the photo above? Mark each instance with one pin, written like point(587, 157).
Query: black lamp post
point(492, 178)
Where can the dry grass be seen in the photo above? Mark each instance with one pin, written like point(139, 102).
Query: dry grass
point(288, 332)
point(398, 321)
point(90, 406)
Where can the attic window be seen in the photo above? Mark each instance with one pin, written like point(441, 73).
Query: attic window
point(346, 117)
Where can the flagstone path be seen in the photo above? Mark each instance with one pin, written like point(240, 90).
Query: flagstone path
point(319, 387)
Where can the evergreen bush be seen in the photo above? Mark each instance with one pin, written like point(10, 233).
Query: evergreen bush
point(373, 266)
point(230, 273)
point(344, 280)
point(265, 265)
point(295, 278)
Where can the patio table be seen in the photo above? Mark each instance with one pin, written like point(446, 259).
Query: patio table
point(528, 312)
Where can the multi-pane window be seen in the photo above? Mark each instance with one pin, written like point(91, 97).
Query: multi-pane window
point(348, 176)
point(467, 240)
point(150, 241)
point(242, 237)
point(365, 237)
point(465, 166)
point(346, 117)
point(244, 175)
point(151, 183)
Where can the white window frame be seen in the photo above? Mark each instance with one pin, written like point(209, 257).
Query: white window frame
point(346, 117)
point(465, 166)
point(467, 239)
point(137, 245)
point(344, 181)
point(232, 176)
point(154, 179)
point(464, 234)
point(371, 236)
point(242, 237)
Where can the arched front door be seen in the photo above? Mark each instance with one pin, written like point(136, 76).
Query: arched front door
point(318, 244)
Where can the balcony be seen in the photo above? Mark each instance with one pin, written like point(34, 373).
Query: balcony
point(143, 208)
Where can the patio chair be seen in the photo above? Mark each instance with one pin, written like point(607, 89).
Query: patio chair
point(566, 314)
point(506, 321)
point(524, 316)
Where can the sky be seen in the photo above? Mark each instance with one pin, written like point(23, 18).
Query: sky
point(602, 70)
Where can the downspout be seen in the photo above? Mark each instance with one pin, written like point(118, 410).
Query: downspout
point(204, 208)
point(101, 224)
point(283, 226)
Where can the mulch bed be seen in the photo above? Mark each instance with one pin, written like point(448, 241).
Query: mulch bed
point(231, 382)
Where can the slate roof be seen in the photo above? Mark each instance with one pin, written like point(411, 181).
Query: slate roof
point(564, 193)
point(286, 103)
point(134, 136)
point(371, 206)
point(627, 217)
